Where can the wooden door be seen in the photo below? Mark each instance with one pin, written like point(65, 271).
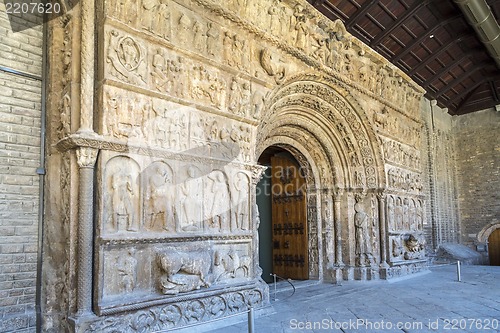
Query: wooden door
point(494, 248)
point(289, 220)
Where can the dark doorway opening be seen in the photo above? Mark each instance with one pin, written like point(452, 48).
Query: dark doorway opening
point(283, 231)
point(494, 248)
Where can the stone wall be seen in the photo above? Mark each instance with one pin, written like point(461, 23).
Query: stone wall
point(477, 139)
point(20, 111)
point(440, 176)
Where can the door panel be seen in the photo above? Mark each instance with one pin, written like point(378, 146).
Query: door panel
point(494, 248)
point(289, 220)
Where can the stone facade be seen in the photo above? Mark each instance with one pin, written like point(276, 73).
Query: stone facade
point(440, 176)
point(188, 96)
point(20, 121)
point(156, 120)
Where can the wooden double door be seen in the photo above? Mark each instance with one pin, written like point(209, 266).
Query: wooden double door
point(289, 220)
point(494, 248)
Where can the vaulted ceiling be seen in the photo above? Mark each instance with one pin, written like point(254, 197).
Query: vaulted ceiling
point(431, 41)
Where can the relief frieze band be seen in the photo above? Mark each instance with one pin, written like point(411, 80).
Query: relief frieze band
point(329, 48)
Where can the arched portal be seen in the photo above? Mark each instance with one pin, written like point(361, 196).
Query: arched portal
point(494, 248)
point(490, 235)
point(283, 232)
point(328, 133)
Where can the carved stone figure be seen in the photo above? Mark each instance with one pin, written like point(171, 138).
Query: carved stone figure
point(302, 29)
point(159, 198)
point(159, 73)
point(127, 271)
point(391, 213)
point(213, 35)
point(397, 248)
point(399, 214)
point(271, 66)
point(122, 201)
point(126, 57)
point(257, 104)
point(361, 224)
point(191, 201)
point(219, 218)
point(230, 265)
point(241, 202)
point(64, 127)
point(199, 36)
point(414, 247)
point(183, 271)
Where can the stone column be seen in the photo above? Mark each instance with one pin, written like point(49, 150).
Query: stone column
point(87, 65)
point(382, 229)
point(86, 158)
point(257, 173)
point(329, 229)
point(336, 225)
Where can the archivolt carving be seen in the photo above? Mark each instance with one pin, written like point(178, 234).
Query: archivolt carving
point(339, 123)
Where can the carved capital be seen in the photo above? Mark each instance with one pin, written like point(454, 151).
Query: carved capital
point(257, 173)
point(86, 157)
point(337, 194)
point(381, 196)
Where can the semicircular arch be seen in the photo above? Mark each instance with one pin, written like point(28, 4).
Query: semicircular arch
point(331, 123)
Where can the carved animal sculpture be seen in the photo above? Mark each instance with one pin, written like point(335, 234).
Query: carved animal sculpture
point(233, 265)
point(192, 263)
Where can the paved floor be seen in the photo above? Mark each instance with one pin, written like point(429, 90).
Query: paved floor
point(432, 302)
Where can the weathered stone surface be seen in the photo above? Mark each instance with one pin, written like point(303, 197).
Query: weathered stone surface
point(151, 220)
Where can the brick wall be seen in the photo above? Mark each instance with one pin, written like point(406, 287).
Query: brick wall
point(20, 109)
point(477, 138)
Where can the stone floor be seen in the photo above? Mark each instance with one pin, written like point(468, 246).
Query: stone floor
point(430, 302)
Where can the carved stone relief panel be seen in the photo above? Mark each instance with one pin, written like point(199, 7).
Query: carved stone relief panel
point(409, 246)
point(126, 57)
point(405, 214)
point(172, 197)
point(389, 124)
point(125, 271)
point(397, 153)
point(158, 123)
point(160, 272)
point(404, 180)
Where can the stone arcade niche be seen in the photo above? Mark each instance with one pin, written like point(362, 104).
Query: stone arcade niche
point(154, 147)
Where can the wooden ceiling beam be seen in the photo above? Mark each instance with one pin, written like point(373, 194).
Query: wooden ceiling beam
point(359, 13)
point(457, 80)
point(456, 63)
point(425, 36)
point(410, 11)
point(494, 93)
point(449, 43)
point(467, 92)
